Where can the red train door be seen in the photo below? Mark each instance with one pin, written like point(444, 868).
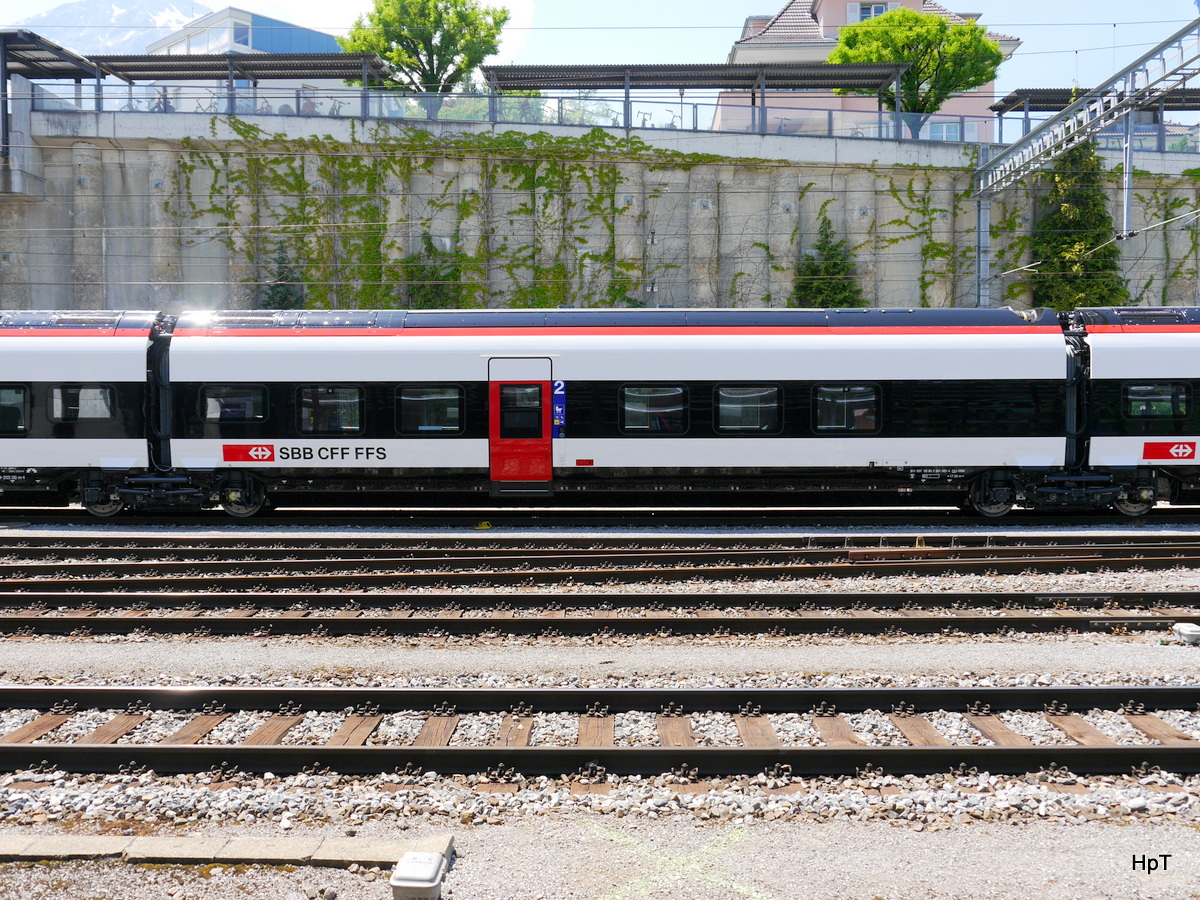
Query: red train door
point(519, 410)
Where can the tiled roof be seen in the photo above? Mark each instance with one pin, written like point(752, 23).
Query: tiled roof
point(795, 24)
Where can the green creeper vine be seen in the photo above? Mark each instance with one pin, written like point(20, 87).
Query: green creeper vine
point(412, 218)
point(940, 260)
point(1161, 206)
point(326, 206)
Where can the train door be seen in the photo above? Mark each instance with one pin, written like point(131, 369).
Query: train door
point(519, 405)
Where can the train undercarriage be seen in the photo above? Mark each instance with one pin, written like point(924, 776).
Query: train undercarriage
point(241, 493)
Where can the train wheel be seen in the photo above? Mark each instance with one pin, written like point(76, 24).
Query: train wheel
point(244, 502)
point(1133, 508)
point(105, 509)
point(988, 502)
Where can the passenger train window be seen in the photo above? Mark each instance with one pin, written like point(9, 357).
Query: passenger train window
point(81, 403)
point(13, 399)
point(1157, 400)
point(233, 403)
point(521, 411)
point(747, 408)
point(429, 409)
point(851, 408)
point(330, 409)
point(660, 409)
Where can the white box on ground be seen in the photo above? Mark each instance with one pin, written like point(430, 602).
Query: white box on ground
point(418, 876)
point(1187, 632)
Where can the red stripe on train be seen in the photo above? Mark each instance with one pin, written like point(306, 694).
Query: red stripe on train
point(1146, 329)
point(603, 331)
point(74, 332)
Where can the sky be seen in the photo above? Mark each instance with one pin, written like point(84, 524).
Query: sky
point(1057, 50)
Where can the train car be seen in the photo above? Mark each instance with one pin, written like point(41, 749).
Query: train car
point(1142, 419)
point(522, 403)
point(995, 407)
point(73, 399)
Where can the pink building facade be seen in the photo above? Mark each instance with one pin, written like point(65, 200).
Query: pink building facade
point(805, 31)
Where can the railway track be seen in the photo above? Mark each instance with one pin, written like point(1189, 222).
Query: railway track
point(182, 546)
point(341, 567)
point(779, 516)
point(525, 614)
point(802, 731)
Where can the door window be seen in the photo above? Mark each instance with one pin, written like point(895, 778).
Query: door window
point(521, 411)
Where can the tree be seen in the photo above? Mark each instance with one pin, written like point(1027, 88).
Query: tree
point(825, 275)
point(433, 45)
point(432, 278)
point(286, 289)
point(1078, 263)
point(943, 59)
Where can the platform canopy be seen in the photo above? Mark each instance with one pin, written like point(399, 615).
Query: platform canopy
point(251, 66)
point(31, 55)
point(1058, 99)
point(694, 76)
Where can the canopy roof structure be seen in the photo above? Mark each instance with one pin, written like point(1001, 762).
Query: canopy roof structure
point(31, 55)
point(1058, 99)
point(251, 66)
point(754, 79)
point(694, 76)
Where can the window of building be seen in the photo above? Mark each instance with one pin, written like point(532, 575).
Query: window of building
point(330, 409)
point(747, 409)
point(241, 34)
point(429, 409)
point(233, 403)
point(870, 11)
point(852, 408)
point(945, 131)
point(659, 409)
point(13, 406)
point(520, 411)
point(1157, 400)
point(81, 403)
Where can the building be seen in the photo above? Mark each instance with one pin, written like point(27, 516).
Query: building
point(805, 31)
point(233, 30)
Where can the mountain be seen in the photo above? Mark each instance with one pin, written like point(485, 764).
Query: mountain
point(102, 26)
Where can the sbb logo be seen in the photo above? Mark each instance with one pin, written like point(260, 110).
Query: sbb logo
point(1180, 451)
point(248, 452)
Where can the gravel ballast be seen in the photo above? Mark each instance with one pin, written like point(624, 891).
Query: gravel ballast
point(971, 835)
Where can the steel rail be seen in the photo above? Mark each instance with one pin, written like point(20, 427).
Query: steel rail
point(474, 542)
point(580, 700)
point(415, 561)
point(1180, 755)
point(676, 516)
point(316, 579)
point(676, 625)
point(674, 614)
point(213, 600)
point(553, 761)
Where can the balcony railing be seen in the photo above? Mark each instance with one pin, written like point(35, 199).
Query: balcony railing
point(730, 114)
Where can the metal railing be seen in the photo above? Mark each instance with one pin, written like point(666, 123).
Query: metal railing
point(728, 113)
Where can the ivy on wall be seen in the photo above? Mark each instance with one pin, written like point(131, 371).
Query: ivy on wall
point(540, 230)
point(414, 218)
